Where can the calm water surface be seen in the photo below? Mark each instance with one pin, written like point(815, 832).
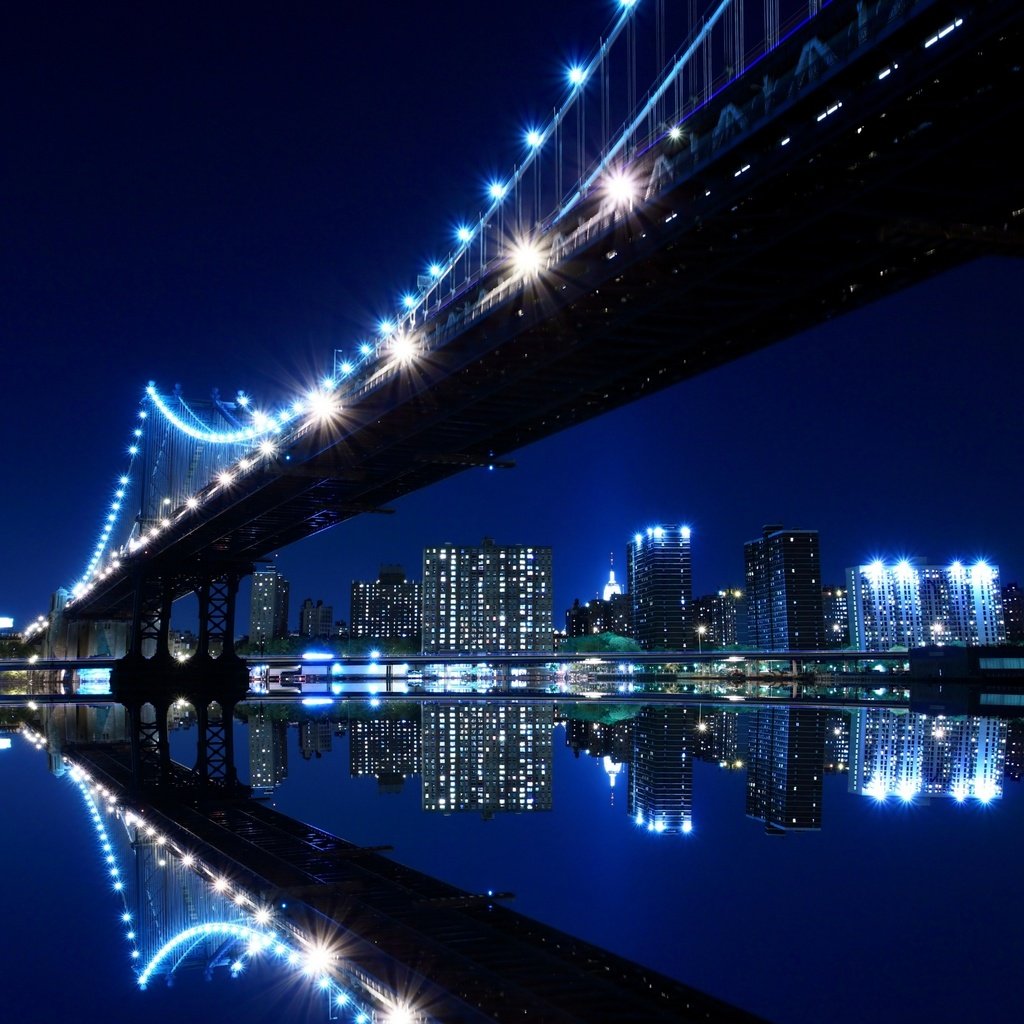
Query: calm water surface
point(807, 865)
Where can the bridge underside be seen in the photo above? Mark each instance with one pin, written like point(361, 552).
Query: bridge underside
point(896, 184)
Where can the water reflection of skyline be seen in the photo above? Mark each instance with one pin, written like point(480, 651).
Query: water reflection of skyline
point(495, 758)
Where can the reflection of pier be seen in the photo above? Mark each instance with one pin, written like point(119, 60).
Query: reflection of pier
point(411, 946)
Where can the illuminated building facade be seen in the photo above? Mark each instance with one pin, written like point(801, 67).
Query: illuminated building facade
point(487, 758)
point(661, 769)
point(384, 748)
point(911, 605)
point(835, 611)
point(660, 576)
point(268, 606)
point(485, 599)
point(783, 571)
point(722, 617)
point(316, 621)
point(1013, 613)
point(786, 768)
point(909, 755)
point(390, 608)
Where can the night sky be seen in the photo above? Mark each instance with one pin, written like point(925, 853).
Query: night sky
point(193, 197)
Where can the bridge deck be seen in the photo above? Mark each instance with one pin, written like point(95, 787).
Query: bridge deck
point(456, 956)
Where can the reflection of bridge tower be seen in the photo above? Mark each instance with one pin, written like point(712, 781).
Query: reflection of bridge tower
point(487, 757)
point(661, 769)
point(385, 748)
point(785, 768)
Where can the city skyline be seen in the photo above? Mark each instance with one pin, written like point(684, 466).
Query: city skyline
point(898, 416)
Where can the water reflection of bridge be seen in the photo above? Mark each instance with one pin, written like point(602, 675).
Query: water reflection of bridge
point(233, 879)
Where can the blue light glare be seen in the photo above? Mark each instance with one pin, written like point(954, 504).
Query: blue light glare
point(576, 74)
point(463, 234)
point(435, 270)
point(534, 138)
point(365, 349)
point(409, 301)
point(497, 190)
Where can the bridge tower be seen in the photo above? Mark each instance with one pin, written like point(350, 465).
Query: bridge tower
point(148, 680)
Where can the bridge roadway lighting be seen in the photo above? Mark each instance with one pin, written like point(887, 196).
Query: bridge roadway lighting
point(621, 188)
point(386, 327)
point(402, 347)
point(527, 257)
point(497, 190)
point(434, 270)
point(463, 234)
point(576, 74)
point(534, 138)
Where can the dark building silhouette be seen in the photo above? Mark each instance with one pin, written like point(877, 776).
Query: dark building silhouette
point(389, 608)
point(784, 590)
point(1013, 613)
point(785, 768)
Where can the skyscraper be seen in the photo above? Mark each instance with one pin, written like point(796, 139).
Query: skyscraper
point(660, 576)
point(912, 605)
point(487, 598)
point(390, 608)
point(720, 619)
point(268, 606)
point(784, 590)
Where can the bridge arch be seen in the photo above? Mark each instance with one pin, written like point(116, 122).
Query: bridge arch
point(176, 950)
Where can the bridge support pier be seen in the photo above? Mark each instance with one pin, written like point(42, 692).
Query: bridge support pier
point(148, 681)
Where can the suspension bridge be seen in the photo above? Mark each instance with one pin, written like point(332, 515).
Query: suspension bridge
point(710, 184)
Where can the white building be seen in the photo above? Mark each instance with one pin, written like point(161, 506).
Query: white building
point(486, 599)
point(911, 605)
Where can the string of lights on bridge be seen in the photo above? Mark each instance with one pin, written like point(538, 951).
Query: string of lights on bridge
point(254, 929)
point(394, 343)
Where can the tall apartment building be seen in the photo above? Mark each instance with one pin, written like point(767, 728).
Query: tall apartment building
point(912, 605)
point(660, 578)
point(268, 606)
point(316, 620)
point(388, 608)
point(783, 570)
point(490, 598)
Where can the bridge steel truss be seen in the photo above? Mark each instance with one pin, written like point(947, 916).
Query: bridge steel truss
point(871, 150)
point(149, 680)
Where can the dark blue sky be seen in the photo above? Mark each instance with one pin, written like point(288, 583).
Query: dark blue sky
point(221, 202)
